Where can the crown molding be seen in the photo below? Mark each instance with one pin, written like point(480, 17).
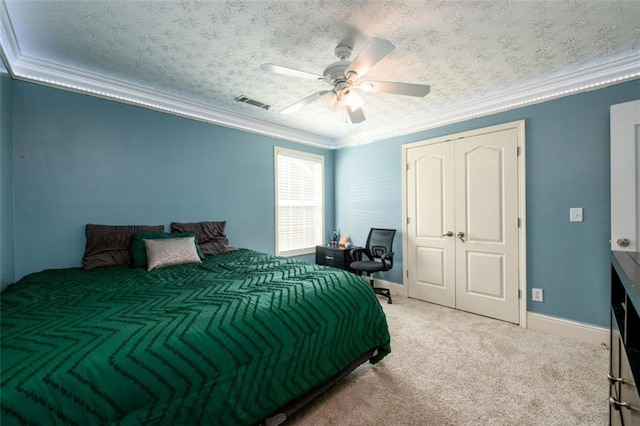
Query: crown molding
point(570, 83)
point(67, 78)
point(8, 42)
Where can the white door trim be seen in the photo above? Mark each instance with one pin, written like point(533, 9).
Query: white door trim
point(625, 118)
point(522, 206)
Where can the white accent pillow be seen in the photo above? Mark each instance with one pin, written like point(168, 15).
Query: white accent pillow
point(170, 252)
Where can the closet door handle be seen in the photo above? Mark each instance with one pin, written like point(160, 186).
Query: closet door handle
point(448, 234)
point(613, 379)
point(617, 404)
point(461, 236)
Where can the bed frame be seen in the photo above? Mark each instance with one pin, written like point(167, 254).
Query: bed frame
point(288, 410)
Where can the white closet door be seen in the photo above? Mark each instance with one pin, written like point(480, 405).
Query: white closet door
point(486, 200)
point(462, 208)
point(430, 210)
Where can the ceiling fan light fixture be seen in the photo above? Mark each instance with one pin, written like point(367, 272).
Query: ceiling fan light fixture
point(353, 100)
point(329, 100)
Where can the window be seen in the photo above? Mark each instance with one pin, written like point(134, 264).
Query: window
point(299, 201)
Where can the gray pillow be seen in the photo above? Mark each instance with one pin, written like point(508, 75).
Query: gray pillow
point(170, 252)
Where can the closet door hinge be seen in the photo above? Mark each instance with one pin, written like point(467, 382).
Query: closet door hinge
point(519, 223)
point(519, 294)
point(517, 151)
point(407, 220)
point(407, 166)
point(407, 273)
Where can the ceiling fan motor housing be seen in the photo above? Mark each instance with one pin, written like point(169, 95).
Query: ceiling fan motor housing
point(343, 52)
point(335, 71)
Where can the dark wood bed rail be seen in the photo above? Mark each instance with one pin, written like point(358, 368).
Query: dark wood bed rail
point(285, 412)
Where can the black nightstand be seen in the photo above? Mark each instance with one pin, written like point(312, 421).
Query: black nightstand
point(335, 256)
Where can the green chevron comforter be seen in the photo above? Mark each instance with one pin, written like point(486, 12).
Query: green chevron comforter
point(224, 342)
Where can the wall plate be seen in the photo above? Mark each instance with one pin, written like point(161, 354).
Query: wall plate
point(575, 214)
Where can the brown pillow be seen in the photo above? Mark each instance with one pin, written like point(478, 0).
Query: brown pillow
point(210, 235)
point(108, 245)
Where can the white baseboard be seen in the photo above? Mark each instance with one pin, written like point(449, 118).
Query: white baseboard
point(572, 330)
point(568, 329)
point(394, 288)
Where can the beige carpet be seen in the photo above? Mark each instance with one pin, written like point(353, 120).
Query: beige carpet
point(450, 367)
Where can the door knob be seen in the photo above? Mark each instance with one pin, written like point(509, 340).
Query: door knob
point(461, 236)
point(623, 242)
point(448, 234)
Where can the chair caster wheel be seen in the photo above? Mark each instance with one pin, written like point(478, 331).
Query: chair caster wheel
point(390, 302)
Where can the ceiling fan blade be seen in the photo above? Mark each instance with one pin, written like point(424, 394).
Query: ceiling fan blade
point(278, 69)
point(408, 89)
point(304, 102)
point(356, 116)
point(373, 52)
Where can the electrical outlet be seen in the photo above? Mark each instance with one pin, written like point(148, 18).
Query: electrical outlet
point(536, 295)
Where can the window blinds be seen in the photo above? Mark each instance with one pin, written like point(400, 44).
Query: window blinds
point(299, 201)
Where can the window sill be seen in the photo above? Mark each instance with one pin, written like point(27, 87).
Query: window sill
point(299, 252)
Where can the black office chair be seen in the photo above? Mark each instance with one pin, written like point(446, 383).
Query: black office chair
point(379, 257)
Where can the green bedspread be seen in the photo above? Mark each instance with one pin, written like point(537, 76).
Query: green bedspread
point(224, 342)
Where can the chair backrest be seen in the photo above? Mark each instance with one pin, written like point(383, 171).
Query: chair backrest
point(380, 241)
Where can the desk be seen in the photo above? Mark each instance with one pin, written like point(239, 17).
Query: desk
point(335, 256)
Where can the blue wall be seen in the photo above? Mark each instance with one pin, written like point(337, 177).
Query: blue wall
point(80, 159)
point(567, 165)
point(5, 145)
point(7, 258)
point(370, 195)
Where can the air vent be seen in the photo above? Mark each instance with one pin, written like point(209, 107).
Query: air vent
point(253, 102)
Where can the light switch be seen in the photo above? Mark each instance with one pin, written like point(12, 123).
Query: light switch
point(575, 214)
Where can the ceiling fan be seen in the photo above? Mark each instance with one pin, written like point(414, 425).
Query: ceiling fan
point(345, 76)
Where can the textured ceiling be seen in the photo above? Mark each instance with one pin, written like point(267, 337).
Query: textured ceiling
point(210, 51)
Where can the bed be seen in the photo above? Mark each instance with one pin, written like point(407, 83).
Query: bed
point(231, 340)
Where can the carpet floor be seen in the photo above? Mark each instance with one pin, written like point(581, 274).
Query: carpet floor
point(449, 367)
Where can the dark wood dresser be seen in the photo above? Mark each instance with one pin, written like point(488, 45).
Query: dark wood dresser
point(624, 369)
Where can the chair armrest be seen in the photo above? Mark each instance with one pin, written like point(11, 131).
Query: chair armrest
point(356, 254)
point(387, 257)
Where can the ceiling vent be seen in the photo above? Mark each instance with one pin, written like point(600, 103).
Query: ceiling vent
point(253, 102)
